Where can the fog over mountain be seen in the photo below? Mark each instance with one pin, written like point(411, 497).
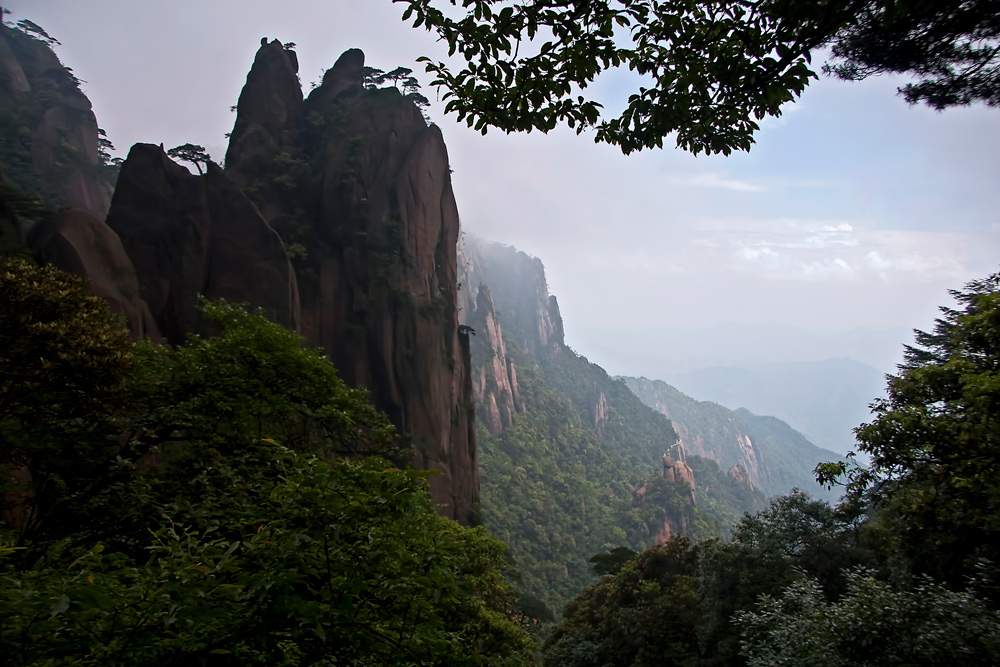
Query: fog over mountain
point(852, 210)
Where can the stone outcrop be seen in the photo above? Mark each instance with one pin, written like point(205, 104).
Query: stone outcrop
point(494, 376)
point(190, 235)
point(517, 278)
point(678, 471)
point(354, 187)
point(704, 429)
point(361, 186)
point(79, 242)
point(40, 97)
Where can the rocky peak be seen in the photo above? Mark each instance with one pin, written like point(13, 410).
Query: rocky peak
point(40, 101)
point(269, 111)
point(678, 471)
point(190, 235)
point(347, 74)
point(521, 292)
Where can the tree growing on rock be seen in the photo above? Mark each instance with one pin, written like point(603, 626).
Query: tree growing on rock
point(192, 153)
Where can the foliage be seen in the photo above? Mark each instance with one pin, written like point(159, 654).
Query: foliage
point(613, 561)
point(644, 615)
point(63, 364)
point(193, 537)
point(951, 48)
point(192, 153)
point(935, 442)
point(783, 457)
point(567, 479)
point(707, 70)
point(673, 603)
point(266, 556)
point(36, 31)
point(874, 623)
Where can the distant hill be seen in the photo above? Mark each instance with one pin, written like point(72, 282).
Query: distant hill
point(823, 400)
point(663, 352)
point(776, 457)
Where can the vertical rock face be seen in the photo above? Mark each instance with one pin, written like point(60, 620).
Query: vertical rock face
point(353, 185)
point(678, 471)
point(358, 184)
point(540, 328)
point(190, 235)
point(56, 152)
point(494, 377)
point(78, 242)
point(270, 111)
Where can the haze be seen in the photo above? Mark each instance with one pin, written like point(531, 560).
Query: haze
point(853, 211)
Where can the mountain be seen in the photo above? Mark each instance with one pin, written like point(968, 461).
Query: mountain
point(824, 400)
point(776, 457)
point(50, 144)
point(334, 215)
point(573, 463)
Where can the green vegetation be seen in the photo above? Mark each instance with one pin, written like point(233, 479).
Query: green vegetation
point(193, 505)
point(902, 572)
point(579, 471)
point(708, 71)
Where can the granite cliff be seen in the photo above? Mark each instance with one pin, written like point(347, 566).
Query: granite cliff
point(50, 144)
point(334, 214)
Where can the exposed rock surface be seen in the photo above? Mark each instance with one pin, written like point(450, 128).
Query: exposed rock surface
point(42, 106)
point(79, 242)
point(191, 235)
point(361, 185)
point(678, 471)
point(766, 452)
point(494, 375)
point(517, 278)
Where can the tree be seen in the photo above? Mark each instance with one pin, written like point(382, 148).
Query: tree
point(710, 69)
point(217, 520)
point(934, 442)
point(192, 153)
point(951, 48)
point(64, 360)
point(873, 623)
point(32, 29)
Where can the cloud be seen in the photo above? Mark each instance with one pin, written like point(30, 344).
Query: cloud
point(717, 179)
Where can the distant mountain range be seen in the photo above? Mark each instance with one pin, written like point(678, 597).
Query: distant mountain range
point(626, 350)
point(824, 400)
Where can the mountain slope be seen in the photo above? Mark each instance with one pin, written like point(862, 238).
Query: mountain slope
point(776, 457)
point(573, 463)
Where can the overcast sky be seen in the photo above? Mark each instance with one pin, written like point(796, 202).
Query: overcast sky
point(852, 210)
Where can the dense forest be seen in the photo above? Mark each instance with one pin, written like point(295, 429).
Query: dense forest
point(376, 447)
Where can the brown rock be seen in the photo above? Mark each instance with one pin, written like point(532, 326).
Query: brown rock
point(269, 111)
point(189, 235)
point(496, 381)
point(78, 242)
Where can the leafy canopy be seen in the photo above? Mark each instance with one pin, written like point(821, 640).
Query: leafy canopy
point(212, 520)
point(709, 70)
point(934, 441)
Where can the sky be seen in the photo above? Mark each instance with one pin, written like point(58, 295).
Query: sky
point(850, 218)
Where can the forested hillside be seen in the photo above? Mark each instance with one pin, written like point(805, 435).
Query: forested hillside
point(776, 457)
point(576, 465)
